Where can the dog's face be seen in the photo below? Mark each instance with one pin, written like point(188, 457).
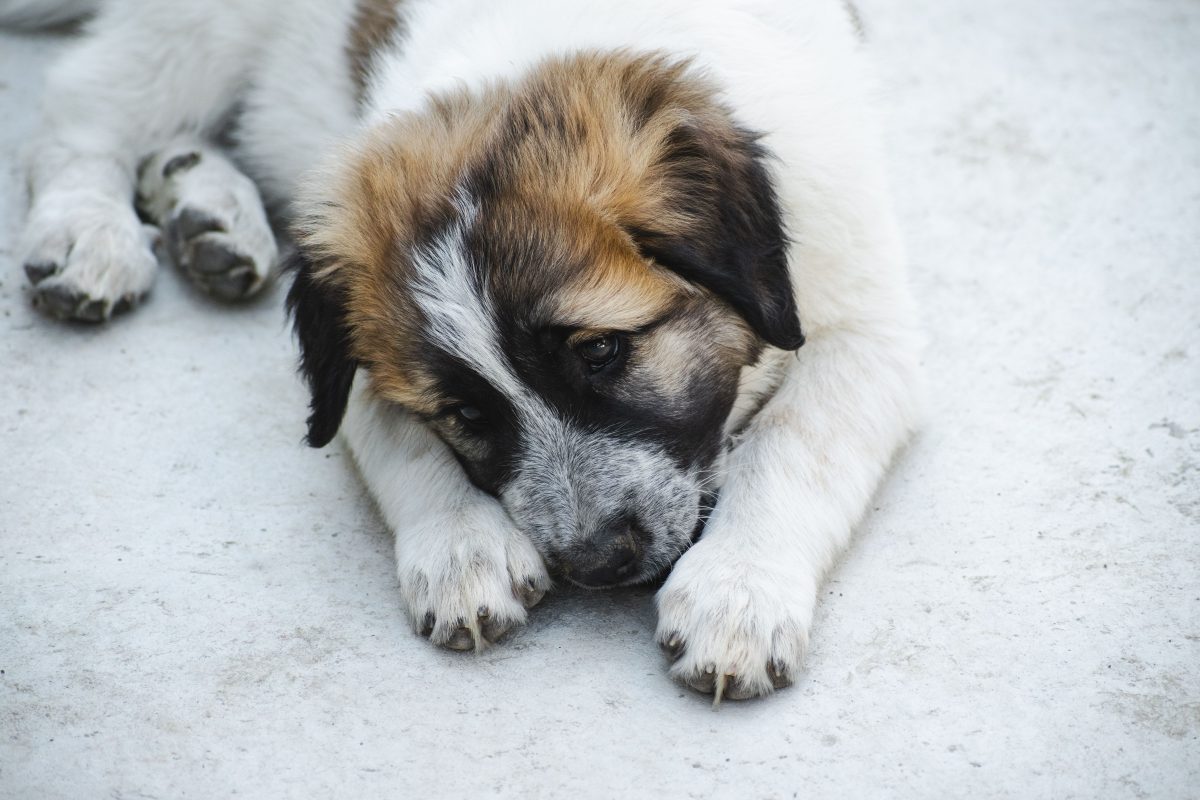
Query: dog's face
point(564, 278)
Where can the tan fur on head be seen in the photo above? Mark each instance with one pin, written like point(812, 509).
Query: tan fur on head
point(582, 151)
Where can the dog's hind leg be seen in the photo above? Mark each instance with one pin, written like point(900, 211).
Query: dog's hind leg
point(146, 73)
point(215, 227)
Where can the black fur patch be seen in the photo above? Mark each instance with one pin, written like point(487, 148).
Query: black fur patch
point(319, 316)
point(485, 450)
point(600, 402)
point(741, 256)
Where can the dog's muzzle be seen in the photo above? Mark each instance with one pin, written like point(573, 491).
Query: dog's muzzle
point(610, 557)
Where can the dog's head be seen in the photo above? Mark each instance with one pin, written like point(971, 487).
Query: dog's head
point(563, 277)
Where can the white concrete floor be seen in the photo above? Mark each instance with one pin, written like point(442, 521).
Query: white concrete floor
point(193, 604)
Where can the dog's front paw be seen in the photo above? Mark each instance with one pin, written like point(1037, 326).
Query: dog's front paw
point(736, 628)
point(467, 578)
point(87, 259)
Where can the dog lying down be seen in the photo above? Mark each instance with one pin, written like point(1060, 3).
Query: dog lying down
point(553, 263)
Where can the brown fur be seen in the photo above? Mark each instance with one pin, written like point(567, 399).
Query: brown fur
point(583, 151)
point(375, 23)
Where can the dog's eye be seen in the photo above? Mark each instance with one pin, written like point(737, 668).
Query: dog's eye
point(471, 415)
point(600, 352)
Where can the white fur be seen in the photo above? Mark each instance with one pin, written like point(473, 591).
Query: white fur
point(457, 551)
point(148, 72)
point(567, 483)
point(802, 469)
point(458, 312)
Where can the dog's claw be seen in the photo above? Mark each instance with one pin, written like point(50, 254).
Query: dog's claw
point(493, 630)
point(529, 594)
point(703, 682)
point(672, 646)
point(719, 689)
point(720, 684)
point(484, 627)
point(779, 675)
point(462, 639)
point(736, 690)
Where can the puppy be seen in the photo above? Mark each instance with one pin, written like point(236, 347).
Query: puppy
point(555, 266)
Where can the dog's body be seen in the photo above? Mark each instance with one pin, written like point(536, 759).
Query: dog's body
point(553, 261)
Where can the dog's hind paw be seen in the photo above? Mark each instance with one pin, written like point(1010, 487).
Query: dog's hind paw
point(87, 260)
point(217, 232)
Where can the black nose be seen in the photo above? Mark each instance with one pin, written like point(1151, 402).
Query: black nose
point(611, 557)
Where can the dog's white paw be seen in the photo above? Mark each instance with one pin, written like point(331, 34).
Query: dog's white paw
point(216, 230)
point(467, 578)
point(735, 627)
point(87, 258)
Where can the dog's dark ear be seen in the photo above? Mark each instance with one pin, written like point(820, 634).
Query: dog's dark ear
point(735, 244)
point(318, 312)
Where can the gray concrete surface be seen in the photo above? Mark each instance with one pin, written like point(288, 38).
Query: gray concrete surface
point(192, 604)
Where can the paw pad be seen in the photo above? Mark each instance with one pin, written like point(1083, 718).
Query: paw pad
point(200, 245)
point(38, 271)
point(180, 162)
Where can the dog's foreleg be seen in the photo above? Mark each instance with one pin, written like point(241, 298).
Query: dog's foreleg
point(737, 607)
point(145, 73)
point(467, 575)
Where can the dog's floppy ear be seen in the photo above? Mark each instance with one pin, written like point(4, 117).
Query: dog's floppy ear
point(734, 243)
point(318, 310)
